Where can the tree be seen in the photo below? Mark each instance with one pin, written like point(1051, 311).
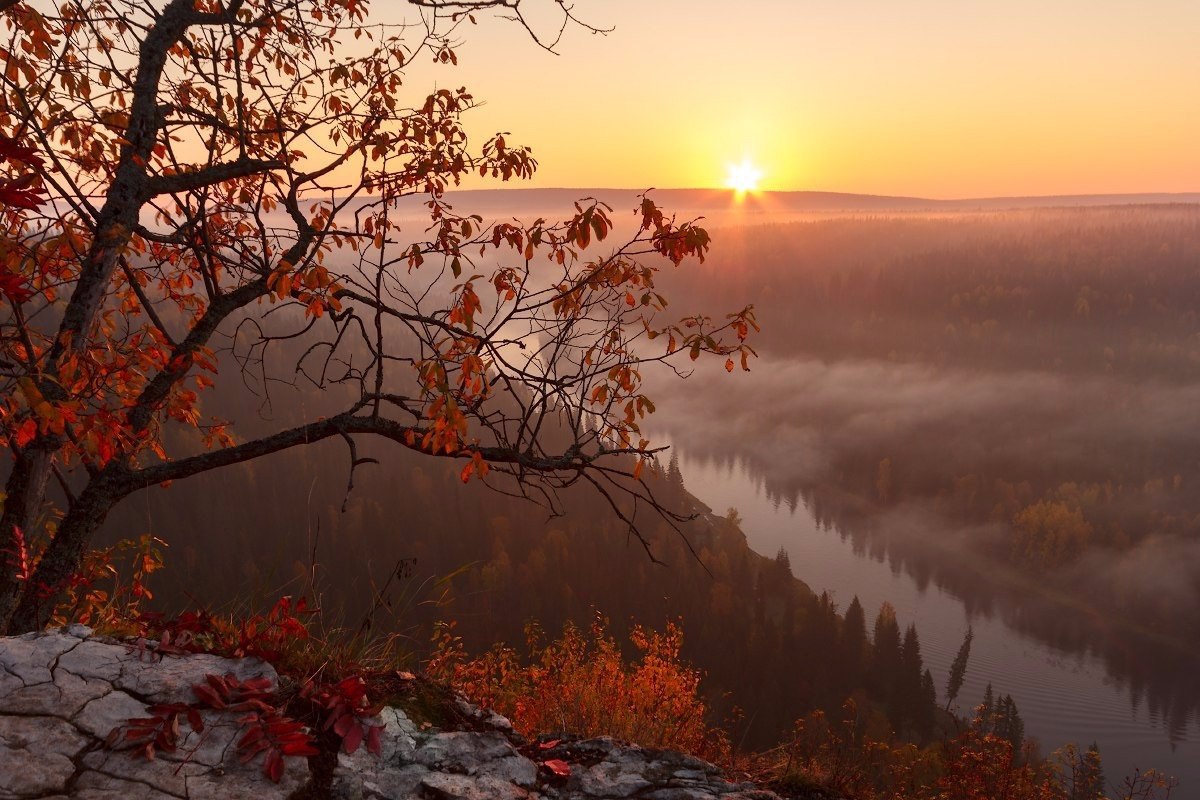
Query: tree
point(1049, 534)
point(194, 184)
point(885, 669)
point(1002, 720)
point(958, 668)
point(1081, 772)
point(982, 766)
point(988, 707)
point(909, 701)
point(674, 474)
point(854, 644)
point(928, 705)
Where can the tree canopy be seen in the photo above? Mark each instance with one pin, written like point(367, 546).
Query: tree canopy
point(203, 188)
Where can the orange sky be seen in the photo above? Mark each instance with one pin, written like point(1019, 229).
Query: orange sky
point(937, 98)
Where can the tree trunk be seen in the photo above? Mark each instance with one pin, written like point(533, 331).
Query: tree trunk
point(116, 220)
point(63, 555)
point(24, 491)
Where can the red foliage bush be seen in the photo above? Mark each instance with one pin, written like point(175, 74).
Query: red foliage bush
point(582, 684)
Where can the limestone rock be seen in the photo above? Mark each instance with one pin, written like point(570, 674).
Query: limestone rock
point(63, 692)
point(37, 755)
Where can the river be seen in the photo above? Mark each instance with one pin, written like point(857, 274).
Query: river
point(1062, 696)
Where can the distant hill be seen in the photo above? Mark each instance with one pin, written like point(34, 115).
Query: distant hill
point(521, 202)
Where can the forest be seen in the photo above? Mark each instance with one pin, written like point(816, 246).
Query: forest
point(1002, 404)
point(396, 563)
point(1027, 377)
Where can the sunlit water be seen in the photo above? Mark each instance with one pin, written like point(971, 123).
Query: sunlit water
point(1063, 697)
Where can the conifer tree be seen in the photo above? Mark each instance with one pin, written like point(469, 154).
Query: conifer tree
point(854, 643)
point(958, 668)
point(928, 704)
point(1006, 722)
point(885, 655)
point(674, 475)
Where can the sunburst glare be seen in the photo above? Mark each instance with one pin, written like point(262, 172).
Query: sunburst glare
point(743, 177)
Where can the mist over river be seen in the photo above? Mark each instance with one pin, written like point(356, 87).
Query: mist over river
point(1074, 676)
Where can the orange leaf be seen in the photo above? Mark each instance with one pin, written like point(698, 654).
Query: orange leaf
point(25, 433)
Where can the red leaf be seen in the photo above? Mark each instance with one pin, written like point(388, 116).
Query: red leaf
point(343, 724)
point(14, 287)
point(246, 755)
point(9, 149)
point(352, 739)
point(373, 744)
point(550, 744)
point(259, 684)
point(273, 766)
point(299, 747)
point(208, 696)
point(251, 736)
point(559, 767)
point(29, 199)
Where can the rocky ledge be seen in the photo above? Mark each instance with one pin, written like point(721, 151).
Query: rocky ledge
point(63, 693)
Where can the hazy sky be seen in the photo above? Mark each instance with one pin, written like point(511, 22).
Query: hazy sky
point(941, 98)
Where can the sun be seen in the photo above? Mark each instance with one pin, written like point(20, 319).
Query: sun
point(743, 177)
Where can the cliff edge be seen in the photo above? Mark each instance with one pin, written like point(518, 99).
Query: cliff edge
point(67, 698)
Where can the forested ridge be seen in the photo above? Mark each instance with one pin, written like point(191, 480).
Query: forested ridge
point(1073, 290)
point(1000, 404)
point(1031, 374)
point(414, 546)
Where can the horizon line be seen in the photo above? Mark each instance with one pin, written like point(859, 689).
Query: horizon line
point(727, 190)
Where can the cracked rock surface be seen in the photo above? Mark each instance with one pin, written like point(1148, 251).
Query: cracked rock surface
point(63, 692)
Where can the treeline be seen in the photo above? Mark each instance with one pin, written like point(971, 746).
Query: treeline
point(1110, 290)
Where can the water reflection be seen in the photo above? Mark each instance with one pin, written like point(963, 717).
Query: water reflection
point(1076, 674)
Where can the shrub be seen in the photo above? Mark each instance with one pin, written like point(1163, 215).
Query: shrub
point(580, 683)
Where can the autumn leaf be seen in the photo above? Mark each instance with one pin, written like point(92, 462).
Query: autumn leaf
point(373, 740)
point(17, 194)
point(15, 287)
point(352, 739)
